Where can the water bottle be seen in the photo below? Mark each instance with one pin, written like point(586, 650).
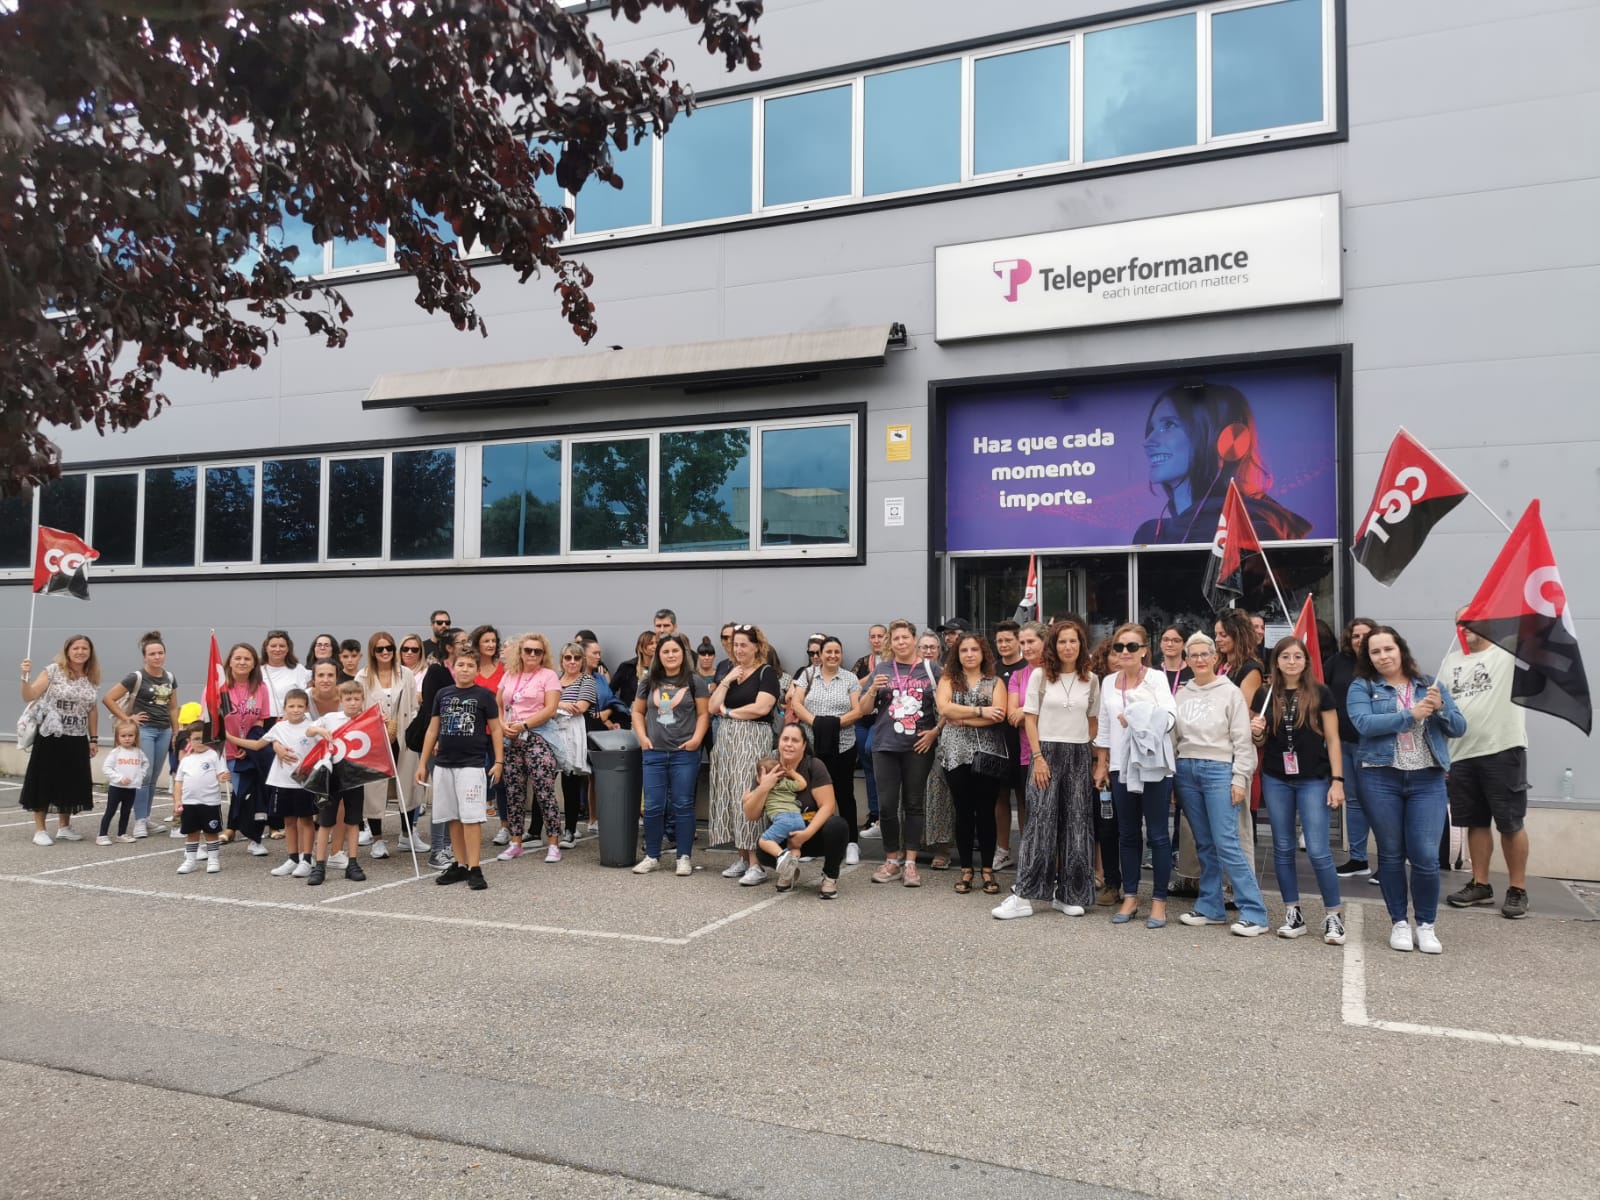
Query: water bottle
point(1105, 800)
point(1566, 784)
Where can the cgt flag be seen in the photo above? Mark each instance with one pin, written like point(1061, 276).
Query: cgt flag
point(1224, 580)
point(1028, 610)
point(216, 684)
point(1523, 608)
point(1305, 628)
point(1415, 492)
point(60, 563)
point(357, 753)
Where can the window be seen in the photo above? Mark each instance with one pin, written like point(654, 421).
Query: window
point(1139, 88)
point(422, 521)
point(230, 514)
point(61, 503)
point(116, 519)
point(169, 516)
point(805, 146)
point(704, 486)
point(355, 508)
point(1021, 108)
point(805, 486)
point(16, 531)
point(296, 231)
point(1266, 66)
point(611, 495)
point(912, 137)
point(521, 500)
point(358, 253)
point(705, 165)
point(602, 207)
point(291, 503)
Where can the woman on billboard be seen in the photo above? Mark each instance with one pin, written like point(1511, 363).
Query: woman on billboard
point(1196, 438)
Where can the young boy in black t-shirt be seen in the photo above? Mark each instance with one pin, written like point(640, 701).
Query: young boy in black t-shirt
point(463, 729)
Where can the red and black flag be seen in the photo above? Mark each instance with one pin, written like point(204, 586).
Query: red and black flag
point(1236, 537)
point(1305, 628)
point(356, 754)
point(1028, 610)
point(1415, 491)
point(60, 563)
point(1523, 608)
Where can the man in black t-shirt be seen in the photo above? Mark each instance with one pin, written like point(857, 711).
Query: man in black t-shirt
point(464, 730)
point(1008, 652)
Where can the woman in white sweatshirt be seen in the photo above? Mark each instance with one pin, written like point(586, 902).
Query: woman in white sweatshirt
point(1216, 758)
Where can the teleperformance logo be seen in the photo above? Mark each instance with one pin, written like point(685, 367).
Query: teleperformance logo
point(1136, 277)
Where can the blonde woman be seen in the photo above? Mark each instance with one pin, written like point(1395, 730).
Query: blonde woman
point(393, 688)
point(530, 692)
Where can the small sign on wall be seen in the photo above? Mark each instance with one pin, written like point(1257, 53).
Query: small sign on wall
point(894, 511)
point(897, 447)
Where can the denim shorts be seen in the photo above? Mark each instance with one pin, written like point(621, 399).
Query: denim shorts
point(782, 826)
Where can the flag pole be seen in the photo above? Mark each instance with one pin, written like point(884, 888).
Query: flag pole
point(1287, 615)
point(32, 604)
point(1487, 508)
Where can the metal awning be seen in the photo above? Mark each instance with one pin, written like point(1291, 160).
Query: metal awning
point(701, 366)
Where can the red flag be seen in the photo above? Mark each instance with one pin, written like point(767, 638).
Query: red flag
point(216, 684)
point(357, 753)
point(1028, 610)
point(1224, 580)
point(1415, 491)
point(1523, 608)
point(60, 561)
point(1305, 628)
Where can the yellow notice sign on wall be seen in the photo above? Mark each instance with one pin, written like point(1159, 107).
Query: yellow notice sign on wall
point(898, 445)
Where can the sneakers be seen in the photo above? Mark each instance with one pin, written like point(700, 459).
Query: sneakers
point(888, 873)
point(910, 876)
point(685, 867)
point(154, 826)
point(1333, 929)
point(1012, 907)
point(380, 848)
point(568, 836)
point(420, 845)
point(502, 837)
point(256, 850)
point(1516, 904)
point(476, 881)
point(1428, 938)
point(354, 873)
point(829, 889)
point(302, 869)
point(103, 840)
point(364, 838)
point(41, 838)
point(644, 866)
point(141, 829)
point(756, 874)
point(1108, 897)
point(1400, 937)
point(873, 830)
point(454, 873)
point(1374, 880)
point(440, 860)
point(1294, 925)
point(339, 861)
point(128, 838)
point(1474, 894)
point(1353, 867)
point(1067, 910)
point(1003, 859)
point(213, 863)
point(175, 833)
point(189, 863)
point(1246, 929)
point(737, 869)
point(552, 854)
point(1194, 918)
point(788, 870)
point(68, 834)
point(511, 852)
point(286, 867)
point(852, 855)
point(319, 872)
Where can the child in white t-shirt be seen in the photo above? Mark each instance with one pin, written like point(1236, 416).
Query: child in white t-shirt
point(347, 803)
point(290, 740)
point(197, 800)
point(125, 767)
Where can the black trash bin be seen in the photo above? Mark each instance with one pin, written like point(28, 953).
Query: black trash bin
point(618, 766)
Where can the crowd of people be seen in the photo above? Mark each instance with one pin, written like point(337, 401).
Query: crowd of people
point(1151, 751)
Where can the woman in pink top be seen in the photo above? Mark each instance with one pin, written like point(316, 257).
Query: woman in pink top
point(246, 707)
point(529, 693)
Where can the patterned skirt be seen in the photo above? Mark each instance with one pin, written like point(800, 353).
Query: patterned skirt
point(938, 811)
point(740, 745)
point(1055, 860)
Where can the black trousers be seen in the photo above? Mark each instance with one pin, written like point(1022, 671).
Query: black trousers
point(830, 842)
point(973, 795)
point(841, 770)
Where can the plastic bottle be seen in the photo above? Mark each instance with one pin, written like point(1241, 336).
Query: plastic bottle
point(1566, 784)
point(1105, 804)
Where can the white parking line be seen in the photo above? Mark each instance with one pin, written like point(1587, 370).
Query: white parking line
point(111, 862)
point(1354, 1003)
point(90, 813)
point(382, 887)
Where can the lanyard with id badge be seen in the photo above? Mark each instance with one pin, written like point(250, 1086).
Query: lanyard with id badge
point(1407, 741)
point(1291, 760)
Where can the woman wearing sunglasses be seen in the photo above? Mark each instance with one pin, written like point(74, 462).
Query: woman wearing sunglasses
point(393, 689)
point(530, 692)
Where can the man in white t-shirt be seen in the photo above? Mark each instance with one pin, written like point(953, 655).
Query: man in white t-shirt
point(1488, 778)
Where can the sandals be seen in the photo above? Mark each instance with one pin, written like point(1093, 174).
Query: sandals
point(991, 886)
point(964, 884)
point(940, 863)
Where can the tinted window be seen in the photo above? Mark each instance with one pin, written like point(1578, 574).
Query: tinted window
point(1266, 66)
point(16, 531)
point(913, 127)
point(116, 519)
point(296, 231)
point(422, 512)
point(521, 500)
point(705, 490)
point(805, 151)
point(805, 486)
point(1139, 88)
point(355, 508)
point(359, 253)
point(601, 206)
point(611, 495)
point(291, 499)
point(230, 514)
point(169, 516)
point(705, 165)
point(61, 503)
point(1021, 106)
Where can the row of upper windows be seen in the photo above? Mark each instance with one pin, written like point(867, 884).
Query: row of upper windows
point(763, 489)
point(1211, 76)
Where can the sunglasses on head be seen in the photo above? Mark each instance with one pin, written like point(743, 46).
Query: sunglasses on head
point(1126, 647)
point(744, 628)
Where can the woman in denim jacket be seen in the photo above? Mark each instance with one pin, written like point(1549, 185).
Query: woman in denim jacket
point(1404, 719)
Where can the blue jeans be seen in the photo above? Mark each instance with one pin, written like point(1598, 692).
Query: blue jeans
point(1308, 797)
point(1205, 791)
point(1407, 810)
point(670, 776)
point(783, 825)
point(1153, 807)
point(864, 757)
point(1356, 824)
point(154, 742)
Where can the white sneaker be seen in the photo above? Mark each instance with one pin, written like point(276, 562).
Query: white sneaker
point(1428, 939)
point(594, 829)
point(154, 826)
point(756, 874)
point(1400, 937)
point(1194, 918)
point(41, 838)
point(1071, 910)
point(256, 850)
point(500, 838)
point(140, 829)
point(213, 863)
point(421, 845)
point(737, 869)
point(189, 863)
point(126, 838)
point(1333, 929)
point(788, 870)
point(552, 854)
point(339, 861)
point(285, 868)
point(1011, 907)
point(68, 834)
point(103, 840)
point(301, 869)
point(873, 830)
point(852, 855)
point(1003, 859)
point(1294, 925)
point(684, 868)
point(645, 865)
point(380, 848)
point(175, 833)
point(364, 838)
point(1246, 929)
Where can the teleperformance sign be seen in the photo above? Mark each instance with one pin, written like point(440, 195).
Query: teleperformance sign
point(1227, 259)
